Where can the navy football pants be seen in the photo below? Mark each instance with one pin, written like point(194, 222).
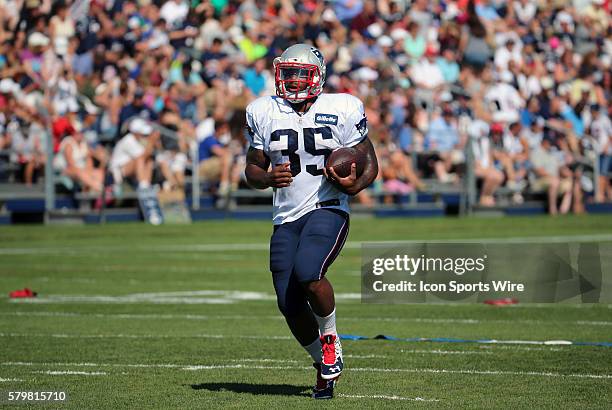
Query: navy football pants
point(301, 251)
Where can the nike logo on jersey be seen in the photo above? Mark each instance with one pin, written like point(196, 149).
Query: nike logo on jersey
point(328, 119)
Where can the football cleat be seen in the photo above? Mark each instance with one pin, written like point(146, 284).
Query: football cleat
point(323, 389)
point(331, 365)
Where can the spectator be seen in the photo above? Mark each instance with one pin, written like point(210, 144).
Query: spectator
point(548, 173)
point(75, 161)
point(474, 45)
point(601, 130)
point(174, 12)
point(61, 25)
point(448, 66)
point(524, 10)
point(215, 158)
point(171, 157)
point(515, 158)
point(443, 139)
point(543, 64)
point(27, 146)
point(484, 165)
point(131, 157)
point(414, 43)
point(427, 77)
point(503, 55)
point(257, 79)
point(347, 10)
point(504, 100)
point(136, 108)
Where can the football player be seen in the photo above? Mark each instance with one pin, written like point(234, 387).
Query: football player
point(291, 135)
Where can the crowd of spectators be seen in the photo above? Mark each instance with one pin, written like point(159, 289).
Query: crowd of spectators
point(129, 86)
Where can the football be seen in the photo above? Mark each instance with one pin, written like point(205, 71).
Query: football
point(342, 158)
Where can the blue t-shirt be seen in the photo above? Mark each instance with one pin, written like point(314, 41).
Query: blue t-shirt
point(254, 81)
point(442, 136)
point(487, 12)
point(450, 70)
point(405, 138)
point(205, 147)
point(346, 11)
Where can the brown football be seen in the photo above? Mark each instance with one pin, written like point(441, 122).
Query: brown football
point(342, 158)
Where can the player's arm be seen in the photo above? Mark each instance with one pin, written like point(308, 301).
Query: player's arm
point(352, 184)
point(257, 174)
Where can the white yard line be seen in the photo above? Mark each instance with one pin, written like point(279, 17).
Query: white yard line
point(444, 352)
point(514, 347)
point(351, 369)
point(264, 246)
point(3, 380)
point(178, 297)
point(263, 361)
point(403, 370)
point(152, 316)
point(86, 364)
point(254, 337)
point(70, 372)
point(155, 316)
point(142, 336)
point(383, 397)
point(366, 356)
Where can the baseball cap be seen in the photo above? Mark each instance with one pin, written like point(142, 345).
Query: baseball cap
point(385, 41)
point(431, 51)
point(8, 86)
point(37, 39)
point(497, 127)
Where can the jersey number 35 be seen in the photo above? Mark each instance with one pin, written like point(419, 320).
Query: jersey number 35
point(309, 146)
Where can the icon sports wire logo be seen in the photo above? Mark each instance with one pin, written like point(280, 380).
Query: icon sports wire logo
point(328, 119)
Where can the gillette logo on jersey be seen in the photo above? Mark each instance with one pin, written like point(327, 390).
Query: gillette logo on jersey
point(328, 119)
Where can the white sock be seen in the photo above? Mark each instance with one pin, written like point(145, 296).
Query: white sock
point(117, 177)
point(327, 324)
point(314, 350)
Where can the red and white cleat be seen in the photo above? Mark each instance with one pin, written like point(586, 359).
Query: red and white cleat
point(332, 364)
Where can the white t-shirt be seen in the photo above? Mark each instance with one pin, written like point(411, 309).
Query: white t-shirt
point(512, 143)
point(504, 102)
point(601, 129)
point(333, 121)
point(174, 13)
point(127, 149)
point(427, 73)
point(80, 151)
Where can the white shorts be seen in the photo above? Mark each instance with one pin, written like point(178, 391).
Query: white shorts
point(176, 161)
point(126, 150)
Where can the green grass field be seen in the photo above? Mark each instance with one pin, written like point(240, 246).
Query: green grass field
point(135, 316)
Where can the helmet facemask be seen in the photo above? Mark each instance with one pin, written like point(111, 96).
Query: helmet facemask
point(297, 82)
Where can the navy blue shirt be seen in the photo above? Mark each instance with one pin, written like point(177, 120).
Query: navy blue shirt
point(205, 147)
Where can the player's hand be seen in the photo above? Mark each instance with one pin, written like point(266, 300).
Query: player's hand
point(345, 184)
point(280, 176)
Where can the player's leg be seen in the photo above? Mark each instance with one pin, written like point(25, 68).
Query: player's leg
point(291, 298)
point(320, 243)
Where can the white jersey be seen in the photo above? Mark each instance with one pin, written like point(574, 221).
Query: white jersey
point(305, 141)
